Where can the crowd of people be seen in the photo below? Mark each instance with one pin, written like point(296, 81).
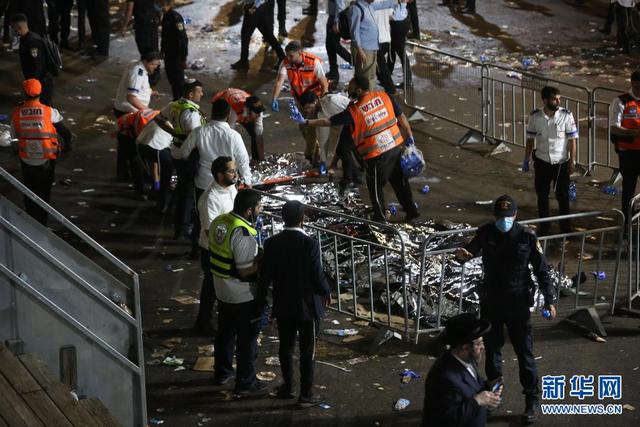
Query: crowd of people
point(215, 208)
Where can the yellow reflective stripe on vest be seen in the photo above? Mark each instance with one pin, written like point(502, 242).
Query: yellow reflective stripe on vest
point(221, 254)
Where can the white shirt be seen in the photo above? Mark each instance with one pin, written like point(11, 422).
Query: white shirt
point(153, 136)
point(627, 3)
point(213, 140)
point(215, 201)
point(382, 17)
point(189, 120)
point(552, 134)
point(232, 290)
point(468, 366)
point(258, 125)
point(134, 81)
point(330, 105)
point(617, 108)
point(56, 117)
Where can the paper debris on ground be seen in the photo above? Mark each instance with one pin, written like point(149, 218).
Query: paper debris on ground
point(352, 338)
point(357, 360)
point(171, 342)
point(204, 364)
point(266, 376)
point(172, 361)
point(185, 299)
point(272, 361)
point(206, 350)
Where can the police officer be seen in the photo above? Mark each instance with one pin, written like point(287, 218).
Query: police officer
point(553, 130)
point(234, 265)
point(256, 15)
point(379, 129)
point(98, 14)
point(146, 17)
point(33, 10)
point(625, 134)
point(174, 46)
point(247, 110)
point(33, 57)
point(37, 145)
point(506, 293)
point(305, 73)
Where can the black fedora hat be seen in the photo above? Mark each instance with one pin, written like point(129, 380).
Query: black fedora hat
point(464, 328)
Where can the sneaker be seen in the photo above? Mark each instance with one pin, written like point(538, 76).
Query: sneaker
point(285, 392)
point(222, 380)
point(532, 410)
point(258, 388)
point(240, 65)
point(308, 401)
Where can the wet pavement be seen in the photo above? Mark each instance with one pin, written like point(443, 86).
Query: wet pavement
point(563, 40)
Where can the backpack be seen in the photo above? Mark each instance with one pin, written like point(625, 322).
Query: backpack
point(54, 60)
point(344, 19)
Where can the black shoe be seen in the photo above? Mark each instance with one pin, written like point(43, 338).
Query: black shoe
point(285, 392)
point(240, 65)
point(258, 388)
point(222, 380)
point(413, 35)
point(532, 410)
point(309, 401)
point(283, 32)
point(310, 11)
point(411, 216)
point(333, 75)
point(468, 10)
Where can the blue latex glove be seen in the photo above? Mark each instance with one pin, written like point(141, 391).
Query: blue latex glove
point(156, 185)
point(298, 118)
point(275, 105)
point(409, 141)
point(525, 166)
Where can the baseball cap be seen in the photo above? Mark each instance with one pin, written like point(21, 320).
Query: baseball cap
point(505, 206)
point(32, 87)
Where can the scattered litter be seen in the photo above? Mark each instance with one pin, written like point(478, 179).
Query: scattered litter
point(514, 75)
point(357, 360)
point(83, 97)
point(185, 299)
point(204, 364)
point(362, 323)
point(407, 375)
point(227, 395)
point(484, 202)
point(160, 410)
point(595, 337)
point(167, 321)
point(333, 366)
point(600, 275)
point(78, 170)
point(179, 368)
point(586, 256)
point(341, 332)
point(266, 376)
point(401, 404)
point(352, 338)
point(172, 361)
point(177, 270)
point(628, 407)
point(154, 362)
point(324, 406)
point(404, 354)
point(198, 64)
point(272, 361)
point(160, 353)
point(206, 350)
point(156, 421)
point(171, 342)
point(335, 322)
point(538, 357)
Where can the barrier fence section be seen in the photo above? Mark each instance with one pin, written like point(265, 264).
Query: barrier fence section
point(555, 247)
point(496, 101)
point(633, 256)
point(357, 261)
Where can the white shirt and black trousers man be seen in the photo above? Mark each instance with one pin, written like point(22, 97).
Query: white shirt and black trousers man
point(552, 135)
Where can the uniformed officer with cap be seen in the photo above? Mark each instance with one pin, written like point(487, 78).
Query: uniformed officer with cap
point(506, 293)
point(174, 46)
point(455, 394)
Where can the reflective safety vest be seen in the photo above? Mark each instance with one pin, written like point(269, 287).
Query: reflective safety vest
point(177, 108)
point(630, 120)
point(375, 129)
point(236, 98)
point(302, 78)
point(37, 137)
point(131, 124)
point(221, 253)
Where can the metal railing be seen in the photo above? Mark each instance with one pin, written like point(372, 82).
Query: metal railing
point(357, 264)
point(56, 296)
point(603, 150)
point(450, 302)
point(633, 256)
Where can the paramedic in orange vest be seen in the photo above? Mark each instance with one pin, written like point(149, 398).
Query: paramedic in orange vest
point(625, 134)
point(379, 130)
point(305, 73)
point(32, 124)
point(247, 110)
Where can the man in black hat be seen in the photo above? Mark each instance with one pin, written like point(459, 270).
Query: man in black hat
point(300, 292)
point(507, 291)
point(455, 394)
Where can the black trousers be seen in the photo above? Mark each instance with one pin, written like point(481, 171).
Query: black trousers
point(175, 74)
point(98, 13)
point(471, 5)
point(260, 20)
point(257, 144)
point(184, 193)
point(545, 175)
point(146, 35)
point(623, 15)
point(386, 168)
point(399, 31)
point(38, 179)
point(412, 8)
point(4, 11)
point(82, 13)
point(382, 70)
point(512, 312)
point(46, 97)
point(128, 161)
point(207, 292)
point(306, 332)
point(165, 163)
point(195, 235)
point(237, 335)
point(345, 151)
point(282, 15)
point(54, 20)
point(64, 11)
point(629, 162)
point(334, 47)
point(610, 17)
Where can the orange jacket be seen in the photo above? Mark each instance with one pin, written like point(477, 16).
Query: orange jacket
point(131, 124)
point(630, 120)
point(236, 98)
point(37, 137)
point(302, 78)
point(375, 128)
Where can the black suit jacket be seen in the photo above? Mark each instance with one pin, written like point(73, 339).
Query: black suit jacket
point(448, 397)
point(291, 263)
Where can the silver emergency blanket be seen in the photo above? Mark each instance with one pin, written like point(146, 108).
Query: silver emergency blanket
point(378, 272)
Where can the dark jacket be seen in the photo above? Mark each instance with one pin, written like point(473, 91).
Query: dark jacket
point(448, 395)
point(33, 57)
point(174, 42)
point(291, 263)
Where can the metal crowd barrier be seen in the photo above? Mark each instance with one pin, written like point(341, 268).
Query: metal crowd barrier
point(557, 249)
point(633, 256)
point(357, 264)
point(52, 295)
point(495, 101)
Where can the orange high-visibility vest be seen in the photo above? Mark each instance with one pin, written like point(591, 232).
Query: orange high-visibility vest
point(37, 137)
point(131, 124)
point(630, 120)
point(302, 78)
point(236, 98)
point(375, 128)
